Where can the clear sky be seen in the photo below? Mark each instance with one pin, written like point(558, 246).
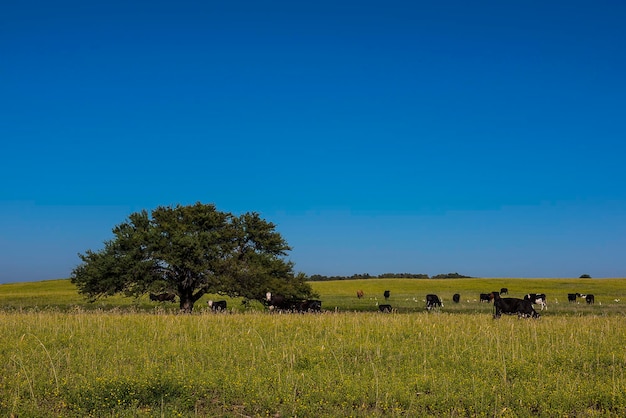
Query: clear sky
point(486, 138)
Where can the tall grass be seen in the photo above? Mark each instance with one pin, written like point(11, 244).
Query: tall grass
point(124, 357)
point(88, 363)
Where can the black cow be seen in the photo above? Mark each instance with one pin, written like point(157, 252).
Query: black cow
point(504, 291)
point(163, 297)
point(218, 305)
point(281, 303)
point(521, 307)
point(386, 294)
point(590, 299)
point(310, 305)
point(456, 298)
point(484, 297)
point(537, 299)
point(433, 301)
point(384, 308)
point(571, 297)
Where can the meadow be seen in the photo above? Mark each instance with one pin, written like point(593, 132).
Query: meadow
point(134, 358)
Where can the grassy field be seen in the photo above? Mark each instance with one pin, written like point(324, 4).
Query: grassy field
point(127, 358)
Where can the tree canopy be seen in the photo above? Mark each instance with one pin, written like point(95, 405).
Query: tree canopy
point(191, 251)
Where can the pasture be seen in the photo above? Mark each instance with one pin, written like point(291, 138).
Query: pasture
point(120, 357)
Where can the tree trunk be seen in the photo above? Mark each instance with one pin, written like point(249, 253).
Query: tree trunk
point(186, 300)
point(186, 305)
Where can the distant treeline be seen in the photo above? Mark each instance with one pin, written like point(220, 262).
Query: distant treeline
point(320, 278)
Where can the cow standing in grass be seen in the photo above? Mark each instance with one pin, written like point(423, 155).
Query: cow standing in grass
point(217, 306)
point(385, 308)
point(537, 299)
point(510, 306)
point(433, 301)
point(310, 305)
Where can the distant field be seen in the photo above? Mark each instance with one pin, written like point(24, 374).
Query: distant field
point(407, 295)
point(127, 358)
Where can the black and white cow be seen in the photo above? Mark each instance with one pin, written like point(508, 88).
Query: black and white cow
point(504, 291)
point(281, 303)
point(310, 305)
point(385, 308)
point(590, 299)
point(433, 301)
point(571, 297)
point(537, 299)
point(456, 298)
point(510, 306)
point(217, 306)
point(484, 297)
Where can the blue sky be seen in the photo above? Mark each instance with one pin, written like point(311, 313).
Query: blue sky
point(485, 138)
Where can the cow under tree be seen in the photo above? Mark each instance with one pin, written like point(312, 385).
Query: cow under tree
point(510, 306)
point(283, 304)
point(217, 306)
point(310, 305)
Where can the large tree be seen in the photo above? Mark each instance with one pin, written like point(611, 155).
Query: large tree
point(191, 251)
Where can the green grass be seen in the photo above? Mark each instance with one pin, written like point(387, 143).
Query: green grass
point(60, 357)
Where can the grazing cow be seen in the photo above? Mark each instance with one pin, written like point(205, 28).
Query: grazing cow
point(283, 304)
point(590, 299)
point(386, 294)
point(537, 299)
point(359, 294)
point(456, 298)
point(504, 291)
point(484, 297)
point(433, 301)
point(521, 307)
point(217, 306)
point(384, 308)
point(310, 305)
point(571, 297)
point(280, 303)
point(163, 297)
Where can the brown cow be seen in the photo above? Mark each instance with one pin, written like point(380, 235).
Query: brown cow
point(359, 294)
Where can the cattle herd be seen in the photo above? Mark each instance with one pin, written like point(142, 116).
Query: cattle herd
point(522, 307)
point(279, 303)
